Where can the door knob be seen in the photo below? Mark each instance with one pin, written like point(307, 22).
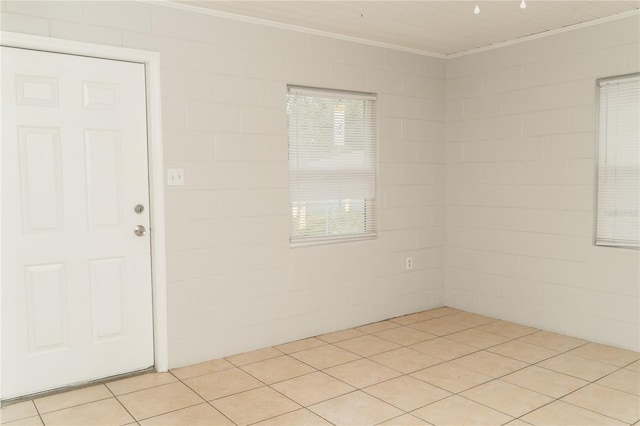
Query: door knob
point(139, 230)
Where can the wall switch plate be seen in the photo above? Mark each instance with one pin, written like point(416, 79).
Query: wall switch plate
point(175, 177)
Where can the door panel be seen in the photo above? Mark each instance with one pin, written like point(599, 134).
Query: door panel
point(76, 280)
point(47, 322)
point(40, 178)
point(103, 164)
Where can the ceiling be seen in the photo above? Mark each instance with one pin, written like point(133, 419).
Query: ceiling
point(436, 27)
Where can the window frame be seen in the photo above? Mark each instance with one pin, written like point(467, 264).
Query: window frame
point(602, 242)
point(370, 231)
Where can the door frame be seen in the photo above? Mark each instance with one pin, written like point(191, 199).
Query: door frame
point(151, 61)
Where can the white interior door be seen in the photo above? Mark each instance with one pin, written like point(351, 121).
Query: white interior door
point(76, 279)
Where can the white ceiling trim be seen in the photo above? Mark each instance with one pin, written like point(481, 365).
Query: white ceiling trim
point(282, 26)
point(273, 24)
point(544, 34)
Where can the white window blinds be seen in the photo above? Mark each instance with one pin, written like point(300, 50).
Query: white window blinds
point(618, 188)
point(332, 165)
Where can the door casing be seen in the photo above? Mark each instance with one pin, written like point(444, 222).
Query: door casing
point(151, 60)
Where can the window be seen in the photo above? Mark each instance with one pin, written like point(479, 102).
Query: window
point(332, 165)
point(618, 187)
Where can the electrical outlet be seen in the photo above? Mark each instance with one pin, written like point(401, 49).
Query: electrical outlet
point(408, 263)
point(175, 177)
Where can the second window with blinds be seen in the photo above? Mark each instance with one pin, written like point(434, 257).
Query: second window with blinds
point(332, 165)
point(618, 186)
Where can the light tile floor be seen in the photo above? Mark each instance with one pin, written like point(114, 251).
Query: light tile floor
point(438, 367)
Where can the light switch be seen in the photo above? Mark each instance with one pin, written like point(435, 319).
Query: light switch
point(175, 177)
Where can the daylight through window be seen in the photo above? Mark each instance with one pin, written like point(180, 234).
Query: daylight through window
point(332, 165)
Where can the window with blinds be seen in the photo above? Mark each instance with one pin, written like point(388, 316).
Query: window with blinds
point(332, 165)
point(618, 187)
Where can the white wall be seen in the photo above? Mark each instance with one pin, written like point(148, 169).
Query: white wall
point(519, 180)
point(520, 186)
point(234, 284)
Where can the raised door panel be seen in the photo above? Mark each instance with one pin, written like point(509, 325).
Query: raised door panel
point(47, 314)
point(40, 179)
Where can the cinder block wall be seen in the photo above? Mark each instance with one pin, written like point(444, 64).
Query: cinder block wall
point(234, 284)
point(521, 147)
point(519, 155)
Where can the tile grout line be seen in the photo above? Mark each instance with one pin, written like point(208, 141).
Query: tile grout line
point(192, 390)
point(121, 404)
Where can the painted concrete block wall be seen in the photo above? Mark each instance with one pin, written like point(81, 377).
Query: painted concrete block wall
point(520, 186)
point(234, 283)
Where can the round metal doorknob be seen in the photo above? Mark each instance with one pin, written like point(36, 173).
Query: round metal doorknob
point(139, 230)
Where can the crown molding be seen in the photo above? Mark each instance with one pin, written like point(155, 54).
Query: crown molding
point(282, 26)
point(548, 33)
point(273, 24)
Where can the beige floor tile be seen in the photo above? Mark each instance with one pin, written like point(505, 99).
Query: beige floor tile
point(406, 360)
point(298, 417)
point(404, 420)
point(522, 351)
point(300, 345)
point(457, 411)
point(610, 402)
point(489, 364)
point(362, 373)
point(201, 415)
point(105, 412)
point(18, 410)
point(507, 398)
point(474, 353)
point(377, 327)
point(439, 327)
point(477, 338)
point(325, 356)
point(507, 329)
point(254, 405)
point(452, 378)
point(405, 336)
point(546, 382)
point(560, 413)
point(624, 379)
point(606, 354)
point(635, 366)
point(312, 388)
point(367, 345)
point(469, 319)
point(223, 383)
point(406, 393)
point(576, 366)
point(356, 408)
point(71, 398)
point(554, 341)
point(137, 383)
point(441, 312)
point(27, 421)
point(444, 349)
point(201, 368)
point(254, 356)
point(411, 318)
point(159, 400)
point(337, 336)
point(277, 369)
